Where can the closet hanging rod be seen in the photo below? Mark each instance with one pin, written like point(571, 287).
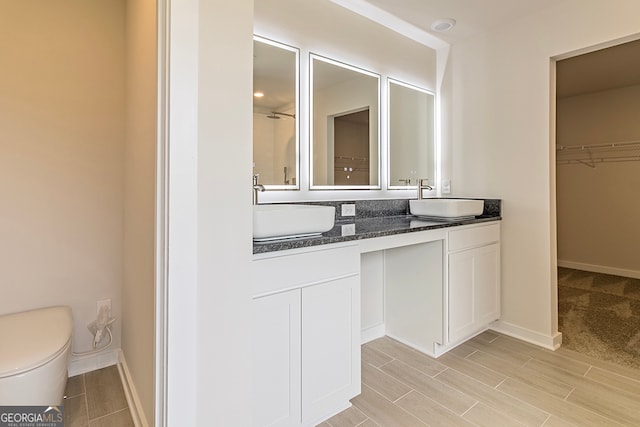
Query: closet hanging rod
point(592, 162)
point(602, 146)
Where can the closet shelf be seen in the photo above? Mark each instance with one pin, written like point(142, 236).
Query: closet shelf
point(591, 154)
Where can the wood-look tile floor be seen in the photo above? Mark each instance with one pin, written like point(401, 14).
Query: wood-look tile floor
point(492, 380)
point(96, 399)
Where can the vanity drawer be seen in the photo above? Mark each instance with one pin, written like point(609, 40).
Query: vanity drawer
point(473, 237)
point(281, 273)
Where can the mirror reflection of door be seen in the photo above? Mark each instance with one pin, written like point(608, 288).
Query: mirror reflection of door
point(351, 148)
point(346, 97)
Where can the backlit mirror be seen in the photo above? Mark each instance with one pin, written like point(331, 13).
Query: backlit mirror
point(411, 135)
point(275, 114)
point(344, 126)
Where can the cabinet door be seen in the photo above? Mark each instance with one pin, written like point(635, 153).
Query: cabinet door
point(330, 347)
point(276, 368)
point(474, 298)
point(487, 284)
point(461, 290)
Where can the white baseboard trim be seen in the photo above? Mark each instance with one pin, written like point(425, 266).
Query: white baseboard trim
point(133, 400)
point(83, 364)
point(599, 269)
point(372, 333)
point(551, 342)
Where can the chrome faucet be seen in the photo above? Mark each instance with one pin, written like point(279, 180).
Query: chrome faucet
point(423, 186)
point(256, 187)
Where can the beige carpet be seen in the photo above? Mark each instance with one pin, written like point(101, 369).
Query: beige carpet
point(599, 315)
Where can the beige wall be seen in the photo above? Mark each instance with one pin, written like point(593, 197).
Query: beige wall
point(500, 139)
point(598, 208)
point(138, 293)
point(61, 157)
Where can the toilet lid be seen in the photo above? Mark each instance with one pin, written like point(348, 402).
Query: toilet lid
point(31, 338)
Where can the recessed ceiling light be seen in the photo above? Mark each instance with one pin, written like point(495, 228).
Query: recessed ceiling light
point(443, 24)
point(258, 94)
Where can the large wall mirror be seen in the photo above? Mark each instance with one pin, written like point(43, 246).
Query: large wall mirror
point(344, 120)
point(275, 114)
point(411, 135)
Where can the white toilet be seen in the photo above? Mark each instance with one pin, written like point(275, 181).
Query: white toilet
point(35, 347)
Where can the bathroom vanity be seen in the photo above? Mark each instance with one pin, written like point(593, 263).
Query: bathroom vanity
point(429, 284)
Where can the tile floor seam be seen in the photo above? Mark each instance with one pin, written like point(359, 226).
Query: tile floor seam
point(398, 407)
point(501, 382)
point(572, 404)
point(475, 350)
point(384, 364)
point(470, 408)
point(86, 399)
point(109, 414)
point(566, 398)
point(545, 421)
point(395, 402)
point(634, 380)
point(446, 407)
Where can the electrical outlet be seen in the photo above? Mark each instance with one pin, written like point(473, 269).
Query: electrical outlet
point(446, 186)
point(103, 303)
point(348, 229)
point(349, 209)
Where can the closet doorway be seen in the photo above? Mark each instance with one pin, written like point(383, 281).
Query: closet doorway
point(598, 202)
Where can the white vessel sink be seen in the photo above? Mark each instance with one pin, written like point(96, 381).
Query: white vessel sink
point(272, 222)
point(446, 208)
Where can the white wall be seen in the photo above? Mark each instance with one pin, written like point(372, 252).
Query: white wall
point(500, 140)
point(598, 208)
point(224, 213)
point(138, 292)
point(207, 180)
point(61, 157)
point(352, 39)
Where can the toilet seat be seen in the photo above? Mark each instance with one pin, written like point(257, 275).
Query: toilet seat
point(31, 339)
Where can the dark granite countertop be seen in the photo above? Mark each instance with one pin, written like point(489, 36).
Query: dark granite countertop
point(384, 222)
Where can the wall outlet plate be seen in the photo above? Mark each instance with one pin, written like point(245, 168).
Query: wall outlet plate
point(446, 186)
point(348, 229)
point(348, 209)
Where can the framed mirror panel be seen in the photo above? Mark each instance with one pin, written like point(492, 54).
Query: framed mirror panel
point(276, 141)
point(411, 135)
point(344, 121)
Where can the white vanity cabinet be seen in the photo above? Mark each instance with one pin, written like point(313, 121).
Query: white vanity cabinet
point(306, 334)
point(474, 280)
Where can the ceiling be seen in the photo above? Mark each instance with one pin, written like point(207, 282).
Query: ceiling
point(605, 69)
point(472, 16)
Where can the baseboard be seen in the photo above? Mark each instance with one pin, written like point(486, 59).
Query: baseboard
point(600, 269)
point(133, 400)
point(551, 342)
point(372, 333)
point(83, 364)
